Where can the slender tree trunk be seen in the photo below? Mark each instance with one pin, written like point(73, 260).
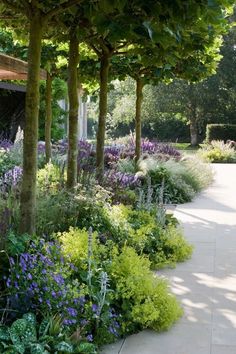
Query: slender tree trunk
point(48, 120)
point(72, 164)
point(193, 132)
point(30, 145)
point(193, 116)
point(138, 123)
point(104, 71)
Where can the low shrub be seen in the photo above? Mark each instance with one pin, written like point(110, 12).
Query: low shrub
point(46, 281)
point(180, 180)
point(81, 208)
point(144, 299)
point(197, 173)
point(218, 152)
point(175, 189)
point(141, 230)
point(173, 248)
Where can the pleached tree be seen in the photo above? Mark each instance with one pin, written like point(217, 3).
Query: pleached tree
point(37, 14)
point(177, 28)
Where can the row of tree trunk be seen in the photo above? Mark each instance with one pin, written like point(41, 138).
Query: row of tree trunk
point(28, 192)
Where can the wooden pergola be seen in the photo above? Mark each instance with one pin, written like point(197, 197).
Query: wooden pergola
point(15, 69)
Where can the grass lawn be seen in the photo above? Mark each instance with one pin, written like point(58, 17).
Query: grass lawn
point(185, 146)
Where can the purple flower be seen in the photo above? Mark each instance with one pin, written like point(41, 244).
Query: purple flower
point(12, 177)
point(5, 144)
point(82, 300)
point(89, 337)
point(69, 322)
point(94, 308)
point(84, 322)
point(48, 303)
point(72, 312)
point(112, 330)
point(59, 279)
point(123, 180)
point(11, 260)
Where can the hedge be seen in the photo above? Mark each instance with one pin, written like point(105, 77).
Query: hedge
point(220, 132)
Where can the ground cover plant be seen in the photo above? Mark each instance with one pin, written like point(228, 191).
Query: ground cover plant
point(65, 285)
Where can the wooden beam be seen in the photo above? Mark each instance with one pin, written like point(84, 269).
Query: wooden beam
point(10, 75)
point(12, 64)
point(17, 69)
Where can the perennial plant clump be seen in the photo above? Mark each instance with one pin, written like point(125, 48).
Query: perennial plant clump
point(86, 277)
point(218, 152)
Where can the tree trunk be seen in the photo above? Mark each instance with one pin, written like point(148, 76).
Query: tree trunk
point(104, 71)
point(48, 120)
point(72, 164)
point(30, 145)
point(138, 123)
point(194, 132)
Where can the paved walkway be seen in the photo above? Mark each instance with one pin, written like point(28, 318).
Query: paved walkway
point(206, 284)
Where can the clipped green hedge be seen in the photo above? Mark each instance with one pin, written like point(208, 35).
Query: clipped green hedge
point(220, 132)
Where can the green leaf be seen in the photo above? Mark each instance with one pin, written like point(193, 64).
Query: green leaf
point(38, 349)
point(88, 348)
point(17, 330)
point(64, 347)
point(19, 348)
point(147, 25)
point(43, 328)
point(4, 333)
point(30, 318)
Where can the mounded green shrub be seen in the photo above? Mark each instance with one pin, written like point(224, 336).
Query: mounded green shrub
point(182, 179)
point(218, 152)
point(144, 298)
point(220, 132)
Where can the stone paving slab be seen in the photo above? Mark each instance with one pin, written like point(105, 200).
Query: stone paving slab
point(223, 349)
point(206, 284)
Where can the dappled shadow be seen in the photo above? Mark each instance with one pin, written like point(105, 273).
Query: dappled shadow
point(206, 284)
point(206, 203)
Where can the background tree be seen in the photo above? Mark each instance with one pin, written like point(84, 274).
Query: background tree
point(195, 37)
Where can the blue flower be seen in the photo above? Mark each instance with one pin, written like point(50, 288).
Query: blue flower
point(69, 322)
point(48, 303)
point(112, 330)
point(11, 260)
point(72, 312)
point(84, 322)
point(95, 308)
point(89, 337)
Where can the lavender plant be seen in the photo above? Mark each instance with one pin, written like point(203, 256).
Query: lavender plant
point(160, 210)
point(149, 194)
point(5, 144)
